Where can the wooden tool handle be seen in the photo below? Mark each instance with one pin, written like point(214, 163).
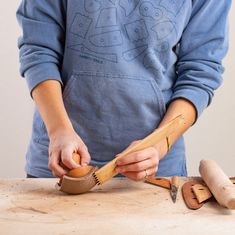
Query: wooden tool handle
point(175, 181)
point(218, 183)
point(162, 182)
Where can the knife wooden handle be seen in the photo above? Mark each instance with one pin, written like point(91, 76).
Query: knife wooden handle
point(162, 182)
point(218, 183)
point(175, 181)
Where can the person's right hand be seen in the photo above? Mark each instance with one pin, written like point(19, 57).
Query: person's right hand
point(63, 143)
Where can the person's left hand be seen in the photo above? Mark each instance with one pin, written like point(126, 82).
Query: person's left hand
point(139, 165)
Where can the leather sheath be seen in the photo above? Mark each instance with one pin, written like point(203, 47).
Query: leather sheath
point(79, 185)
point(189, 196)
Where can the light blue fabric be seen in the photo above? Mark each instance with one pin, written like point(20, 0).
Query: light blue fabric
point(121, 63)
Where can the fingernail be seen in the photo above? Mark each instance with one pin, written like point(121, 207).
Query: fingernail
point(84, 164)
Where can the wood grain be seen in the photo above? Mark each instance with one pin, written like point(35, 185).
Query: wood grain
point(121, 206)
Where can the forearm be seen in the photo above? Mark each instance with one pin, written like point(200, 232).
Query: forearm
point(64, 141)
point(176, 108)
point(48, 98)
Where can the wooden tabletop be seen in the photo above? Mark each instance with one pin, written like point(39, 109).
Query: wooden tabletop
point(120, 206)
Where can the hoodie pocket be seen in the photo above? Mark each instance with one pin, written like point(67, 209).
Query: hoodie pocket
point(109, 111)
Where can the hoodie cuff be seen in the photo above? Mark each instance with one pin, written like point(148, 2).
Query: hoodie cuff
point(198, 97)
point(40, 73)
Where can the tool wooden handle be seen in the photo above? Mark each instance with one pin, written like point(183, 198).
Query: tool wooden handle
point(175, 181)
point(218, 183)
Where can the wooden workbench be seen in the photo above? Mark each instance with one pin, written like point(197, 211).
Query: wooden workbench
point(33, 206)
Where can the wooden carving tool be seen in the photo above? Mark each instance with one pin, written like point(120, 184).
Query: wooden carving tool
point(108, 171)
point(219, 184)
point(174, 187)
point(83, 179)
point(162, 182)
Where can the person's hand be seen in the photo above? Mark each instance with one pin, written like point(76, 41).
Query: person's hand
point(140, 164)
point(63, 143)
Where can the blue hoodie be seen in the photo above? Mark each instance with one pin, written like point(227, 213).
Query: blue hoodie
point(120, 63)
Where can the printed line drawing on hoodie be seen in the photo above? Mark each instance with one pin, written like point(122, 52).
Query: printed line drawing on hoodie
point(162, 47)
point(113, 1)
point(80, 25)
point(173, 6)
point(107, 17)
point(86, 51)
point(151, 64)
point(163, 29)
point(137, 30)
point(147, 9)
point(107, 39)
point(92, 6)
point(131, 54)
point(129, 6)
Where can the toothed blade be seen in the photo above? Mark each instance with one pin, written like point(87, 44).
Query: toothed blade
point(96, 179)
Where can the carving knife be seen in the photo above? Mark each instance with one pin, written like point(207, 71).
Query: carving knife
point(174, 187)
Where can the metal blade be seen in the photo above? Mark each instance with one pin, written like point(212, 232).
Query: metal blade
point(173, 193)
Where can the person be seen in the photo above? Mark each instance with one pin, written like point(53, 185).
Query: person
point(105, 74)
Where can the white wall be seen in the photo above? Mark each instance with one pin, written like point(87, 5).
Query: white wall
point(16, 106)
point(212, 136)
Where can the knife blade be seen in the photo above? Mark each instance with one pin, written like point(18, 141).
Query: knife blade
point(174, 187)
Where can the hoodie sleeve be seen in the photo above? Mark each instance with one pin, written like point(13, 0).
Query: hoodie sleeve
point(203, 45)
point(42, 42)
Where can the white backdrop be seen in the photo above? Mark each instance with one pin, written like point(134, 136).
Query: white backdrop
point(211, 137)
